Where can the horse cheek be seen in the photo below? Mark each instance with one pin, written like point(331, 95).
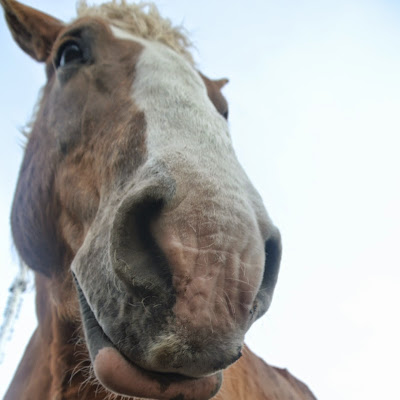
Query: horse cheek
point(35, 210)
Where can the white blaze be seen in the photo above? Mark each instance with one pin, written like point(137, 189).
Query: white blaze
point(179, 114)
point(212, 223)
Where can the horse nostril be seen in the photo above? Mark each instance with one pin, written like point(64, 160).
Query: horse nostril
point(137, 259)
point(273, 252)
point(137, 225)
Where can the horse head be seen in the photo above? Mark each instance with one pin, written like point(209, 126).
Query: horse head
point(131, 198)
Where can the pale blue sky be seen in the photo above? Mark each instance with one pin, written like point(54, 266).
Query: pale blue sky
point(314, 99)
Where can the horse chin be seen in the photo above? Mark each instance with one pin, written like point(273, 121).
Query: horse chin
point(126, 378)
point(123, 377)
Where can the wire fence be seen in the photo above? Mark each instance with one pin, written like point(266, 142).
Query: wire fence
point(12, 308)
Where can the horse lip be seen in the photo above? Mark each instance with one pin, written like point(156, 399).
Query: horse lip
point(124, 377)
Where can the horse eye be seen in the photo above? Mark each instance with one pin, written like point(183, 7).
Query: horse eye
point(68, 54)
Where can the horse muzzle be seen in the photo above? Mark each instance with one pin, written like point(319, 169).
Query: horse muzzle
point(181, 292)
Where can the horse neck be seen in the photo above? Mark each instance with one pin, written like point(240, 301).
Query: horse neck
point(252, 378)
point(53, 363)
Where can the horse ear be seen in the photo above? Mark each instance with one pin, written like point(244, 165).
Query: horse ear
point(34, 31)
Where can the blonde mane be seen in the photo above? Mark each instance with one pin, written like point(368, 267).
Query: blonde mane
point(142, 19)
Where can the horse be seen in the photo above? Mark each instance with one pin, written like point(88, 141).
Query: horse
point(152, 252)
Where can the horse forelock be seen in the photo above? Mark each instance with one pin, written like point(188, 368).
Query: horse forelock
point(142, 19)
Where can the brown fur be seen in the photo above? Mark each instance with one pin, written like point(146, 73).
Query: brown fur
point(73, 160)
